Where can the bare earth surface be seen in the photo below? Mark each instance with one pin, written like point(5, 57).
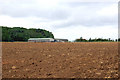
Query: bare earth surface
point(60, 60)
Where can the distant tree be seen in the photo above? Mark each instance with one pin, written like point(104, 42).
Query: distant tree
point(116, 40)
point(109, 39)
point(23, 34)
point(90, 40)
point(94, 40)
point(81, 40)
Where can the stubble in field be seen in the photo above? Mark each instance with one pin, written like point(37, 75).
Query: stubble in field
point(60, 60)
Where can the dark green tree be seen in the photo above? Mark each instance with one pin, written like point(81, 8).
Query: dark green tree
point(23, 34)
point(90, 40)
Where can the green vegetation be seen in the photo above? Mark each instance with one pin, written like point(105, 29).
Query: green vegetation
point(96, 40)
point(23, 34)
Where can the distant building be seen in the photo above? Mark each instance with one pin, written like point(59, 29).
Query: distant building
point(41, 40)
point(47, 40)
point(60, 40)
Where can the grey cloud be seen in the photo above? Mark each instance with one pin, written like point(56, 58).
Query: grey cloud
point(90, 4)
point(98, 21)
point(70, 14)
point(25, 10)
point(89, 18)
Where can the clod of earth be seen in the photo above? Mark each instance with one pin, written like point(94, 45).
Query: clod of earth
point(60, 60)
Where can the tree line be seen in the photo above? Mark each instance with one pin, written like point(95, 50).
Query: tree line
point(96, 40)
point(22, 34)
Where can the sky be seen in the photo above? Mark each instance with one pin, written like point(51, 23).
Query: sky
point(68, 19)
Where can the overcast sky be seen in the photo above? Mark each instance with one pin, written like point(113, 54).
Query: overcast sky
point(64, 18)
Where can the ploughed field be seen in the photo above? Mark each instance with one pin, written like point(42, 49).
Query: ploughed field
point(60, 60)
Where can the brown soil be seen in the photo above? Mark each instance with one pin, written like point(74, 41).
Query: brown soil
point(60, 60)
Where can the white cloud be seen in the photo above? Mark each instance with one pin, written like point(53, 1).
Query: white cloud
point(90, 0)
point(111, 10)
